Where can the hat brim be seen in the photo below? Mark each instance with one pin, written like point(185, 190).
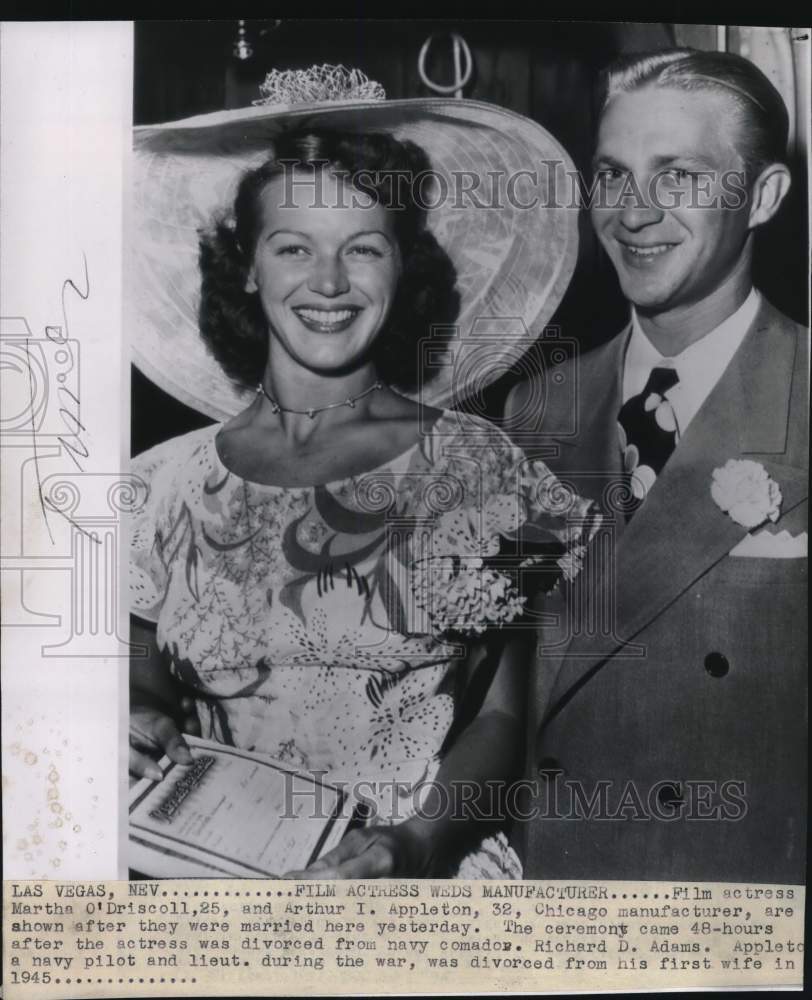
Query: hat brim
point(513, 237)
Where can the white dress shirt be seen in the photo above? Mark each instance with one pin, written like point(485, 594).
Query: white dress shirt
point(699, 367)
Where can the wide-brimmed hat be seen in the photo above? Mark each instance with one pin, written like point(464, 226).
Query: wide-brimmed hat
point(500, 215)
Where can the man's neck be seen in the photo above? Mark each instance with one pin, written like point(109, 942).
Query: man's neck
point(671, 332)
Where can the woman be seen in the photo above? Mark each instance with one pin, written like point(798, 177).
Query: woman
point(296, 558)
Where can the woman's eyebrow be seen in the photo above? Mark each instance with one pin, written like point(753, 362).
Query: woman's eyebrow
point(308, 236)
point(287, 232)
point(370, 232)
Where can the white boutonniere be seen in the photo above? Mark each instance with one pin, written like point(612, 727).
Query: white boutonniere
point(744, 490)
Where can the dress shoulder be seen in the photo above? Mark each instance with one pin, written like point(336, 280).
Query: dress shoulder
point(174, 455)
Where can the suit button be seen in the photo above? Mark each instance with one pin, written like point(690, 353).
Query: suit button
point(716, 664)
point(549, 767)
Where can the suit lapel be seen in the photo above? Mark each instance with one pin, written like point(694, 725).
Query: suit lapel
point(680, 532)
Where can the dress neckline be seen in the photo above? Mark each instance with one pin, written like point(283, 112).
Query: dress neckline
point(396, 460)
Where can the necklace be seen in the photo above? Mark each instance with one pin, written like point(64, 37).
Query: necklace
point(313, 410)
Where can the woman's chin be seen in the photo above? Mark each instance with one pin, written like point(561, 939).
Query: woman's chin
point(331, 363)
point(334, 369)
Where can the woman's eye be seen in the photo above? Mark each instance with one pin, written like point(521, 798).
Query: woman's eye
point(292, 251)
point(364, 250)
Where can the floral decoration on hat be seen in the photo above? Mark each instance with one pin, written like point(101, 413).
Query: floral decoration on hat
point(319, 83)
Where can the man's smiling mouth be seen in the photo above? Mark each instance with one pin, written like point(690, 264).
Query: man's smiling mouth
point(647, 252)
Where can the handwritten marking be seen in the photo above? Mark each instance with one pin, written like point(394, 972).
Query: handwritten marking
point(34, 444)
point(60, 335)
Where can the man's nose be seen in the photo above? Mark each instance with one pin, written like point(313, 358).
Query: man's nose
point(638, 210)
point(329, 277)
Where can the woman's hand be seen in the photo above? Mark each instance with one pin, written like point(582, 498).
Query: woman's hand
point(153, 733)
point(406, 849)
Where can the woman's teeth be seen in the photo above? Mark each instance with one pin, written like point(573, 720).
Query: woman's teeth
point(327, 317)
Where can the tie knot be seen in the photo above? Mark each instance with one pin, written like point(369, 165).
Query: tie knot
point(660, 381)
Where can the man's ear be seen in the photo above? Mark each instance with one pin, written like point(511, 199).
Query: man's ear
point(769, 190)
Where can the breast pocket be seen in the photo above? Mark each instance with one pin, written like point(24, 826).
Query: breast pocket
point(760, 571)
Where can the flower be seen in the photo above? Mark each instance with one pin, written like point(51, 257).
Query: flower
point(393, 731)
point(743, 489)
point(464, 595)
point(471, 570)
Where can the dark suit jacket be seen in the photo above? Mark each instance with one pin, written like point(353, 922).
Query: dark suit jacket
point(668, 708)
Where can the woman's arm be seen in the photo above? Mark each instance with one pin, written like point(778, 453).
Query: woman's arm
point(154, 707)
point(487, 750)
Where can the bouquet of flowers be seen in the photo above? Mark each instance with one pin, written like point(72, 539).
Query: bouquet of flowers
point(484, 563)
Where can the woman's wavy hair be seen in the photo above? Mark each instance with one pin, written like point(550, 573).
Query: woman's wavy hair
point(232, 322)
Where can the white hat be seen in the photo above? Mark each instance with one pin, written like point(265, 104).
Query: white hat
point(513, 261)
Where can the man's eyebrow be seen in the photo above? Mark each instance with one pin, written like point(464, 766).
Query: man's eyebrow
point(605, 160)
point(658, 162)
point(688, 159)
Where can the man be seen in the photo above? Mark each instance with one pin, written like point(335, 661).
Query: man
point(667, 734)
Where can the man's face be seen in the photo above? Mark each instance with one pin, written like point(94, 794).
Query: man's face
point(669, 173)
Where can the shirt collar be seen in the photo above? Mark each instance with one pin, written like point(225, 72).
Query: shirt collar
point(699, 367)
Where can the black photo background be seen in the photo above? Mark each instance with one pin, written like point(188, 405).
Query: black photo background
point(545, 70)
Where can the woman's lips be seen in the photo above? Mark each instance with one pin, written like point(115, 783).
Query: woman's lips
point(327, 320)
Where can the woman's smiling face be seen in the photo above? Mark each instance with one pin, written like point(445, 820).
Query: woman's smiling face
point(326, 268)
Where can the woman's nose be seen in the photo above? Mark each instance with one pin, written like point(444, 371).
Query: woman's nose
point(328, 277)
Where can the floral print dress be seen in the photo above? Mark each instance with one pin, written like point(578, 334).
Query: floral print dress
point(314, 623)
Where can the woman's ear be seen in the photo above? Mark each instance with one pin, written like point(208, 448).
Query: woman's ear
point(769, 190)
point(250, 282)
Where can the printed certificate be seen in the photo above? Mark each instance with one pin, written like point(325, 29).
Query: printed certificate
point(230, 812)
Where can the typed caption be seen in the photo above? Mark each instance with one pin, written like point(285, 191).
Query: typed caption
point(251, 938)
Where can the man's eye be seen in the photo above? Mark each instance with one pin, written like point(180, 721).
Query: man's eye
point(607, 174)
point(679, 174)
